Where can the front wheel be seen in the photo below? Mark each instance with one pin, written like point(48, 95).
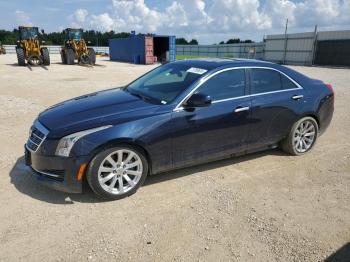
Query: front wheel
point(70, 56)
point(20, 56)
point(45, 56)
point(63, 57)
point(302, 137)
point(92, 56)
point(117, 172)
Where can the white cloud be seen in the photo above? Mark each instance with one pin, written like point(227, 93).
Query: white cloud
point(102, 22)
point(238, 15)
point(22, 18)
point(78, 18)
point(218, 19)
point(80, 15)
point(278, 11)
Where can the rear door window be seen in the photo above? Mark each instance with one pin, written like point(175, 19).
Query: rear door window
point(265, 80)
point(228, 84)
point(287, 83)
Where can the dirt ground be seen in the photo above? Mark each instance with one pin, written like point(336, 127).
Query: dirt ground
point(261, 207)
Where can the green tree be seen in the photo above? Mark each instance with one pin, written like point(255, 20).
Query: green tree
point(233, 41)
point(181, 41)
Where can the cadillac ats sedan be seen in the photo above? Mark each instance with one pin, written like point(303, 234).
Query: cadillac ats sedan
point(179, 114)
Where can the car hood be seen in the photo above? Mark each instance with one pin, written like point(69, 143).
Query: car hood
point(108, 107)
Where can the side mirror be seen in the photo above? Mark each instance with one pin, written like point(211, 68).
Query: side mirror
point(198, 100)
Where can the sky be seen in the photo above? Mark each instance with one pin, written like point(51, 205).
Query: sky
point(209, 21)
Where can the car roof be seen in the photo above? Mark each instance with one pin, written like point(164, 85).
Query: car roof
point(213, 63)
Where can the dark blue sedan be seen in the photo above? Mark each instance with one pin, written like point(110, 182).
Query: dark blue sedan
point(180, 114)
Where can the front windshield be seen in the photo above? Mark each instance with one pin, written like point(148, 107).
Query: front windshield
point(28, 33)
point(74, 34)
point(165, 83)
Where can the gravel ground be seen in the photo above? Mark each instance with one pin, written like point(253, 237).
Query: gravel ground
point(261, 207)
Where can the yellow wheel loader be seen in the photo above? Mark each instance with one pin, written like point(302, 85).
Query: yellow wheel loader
point(2, 49)
point(75, 48)
point(29, 48)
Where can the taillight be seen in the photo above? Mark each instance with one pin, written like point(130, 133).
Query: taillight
point(330, 87)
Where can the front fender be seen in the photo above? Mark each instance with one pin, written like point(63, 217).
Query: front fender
point(153, 134)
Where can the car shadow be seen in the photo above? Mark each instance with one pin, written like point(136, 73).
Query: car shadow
point(158, 178)
point(341, 255)
point(27, 184)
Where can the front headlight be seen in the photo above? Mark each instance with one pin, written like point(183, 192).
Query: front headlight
point(66, 143)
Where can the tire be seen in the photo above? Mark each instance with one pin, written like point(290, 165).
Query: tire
point(63, 57)
point(45, 56)
point(84, 59)
point(101, 172)
point(70, 56)
point(20, 56)
point(300, 141)
point(92, 56)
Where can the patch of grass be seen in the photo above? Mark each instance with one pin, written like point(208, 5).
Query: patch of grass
point(181, 57)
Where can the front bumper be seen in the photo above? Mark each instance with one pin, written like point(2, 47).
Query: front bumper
point(59, 173)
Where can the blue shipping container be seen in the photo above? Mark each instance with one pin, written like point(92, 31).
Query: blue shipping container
point(143, 49)
point(125, 49)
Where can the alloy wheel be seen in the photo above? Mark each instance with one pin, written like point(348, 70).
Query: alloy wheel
point(120, 171)
point(304, 136)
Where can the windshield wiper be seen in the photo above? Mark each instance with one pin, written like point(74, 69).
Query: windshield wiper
point(144, 98)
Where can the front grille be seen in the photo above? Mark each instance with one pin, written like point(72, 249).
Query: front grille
point(37, 136)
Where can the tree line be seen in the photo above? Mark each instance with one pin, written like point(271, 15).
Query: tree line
point(236, 41)
point(95, 38)
point(183, 41)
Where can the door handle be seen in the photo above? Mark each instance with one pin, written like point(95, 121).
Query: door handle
point(241, 109)
point(297, 97)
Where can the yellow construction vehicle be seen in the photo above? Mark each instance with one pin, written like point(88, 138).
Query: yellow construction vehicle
point(29, 48)
point(75, 48)
point(2, 49)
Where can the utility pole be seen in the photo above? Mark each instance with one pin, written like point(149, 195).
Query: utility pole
point(285, 43)
point(314, 47)
point(286, 30)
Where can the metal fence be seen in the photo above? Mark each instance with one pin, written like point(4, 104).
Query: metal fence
point(300, 48)
point(244, 50)
point(55, 49)
point(294, 49)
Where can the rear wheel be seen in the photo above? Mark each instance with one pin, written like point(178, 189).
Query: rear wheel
point(45, 56)
point(92, 56)
point(117, 172)
point(20, 56)
point(70, 56)
point(302, 137)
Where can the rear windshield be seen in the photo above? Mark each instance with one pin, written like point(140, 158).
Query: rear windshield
point(163, 84)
